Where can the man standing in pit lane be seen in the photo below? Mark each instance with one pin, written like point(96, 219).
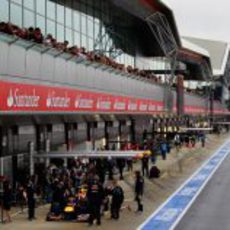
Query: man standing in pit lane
point(145, 165)
point(139, 190)
point(95, 195)
point(30, 197)
point(117, 200)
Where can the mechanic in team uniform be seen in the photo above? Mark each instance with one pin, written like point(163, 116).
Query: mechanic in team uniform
point(95, 195)
point(117, 200)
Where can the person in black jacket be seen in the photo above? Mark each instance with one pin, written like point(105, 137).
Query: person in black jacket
point(95, 195)
point(139, 189)
point(121, 165)
point(58, 194)
point(117, 200)
point(7, 199)
point(145, 165)
point(30, 197)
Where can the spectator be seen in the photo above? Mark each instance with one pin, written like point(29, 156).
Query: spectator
point(10, 29)
point(3, 27)
point(91, 56)
point(73, 50)
point(38, 37)
point(22, 33)
point(54, 43)
point(48, 40)
point(65, 46)
point(30, 34)
point(82, 54)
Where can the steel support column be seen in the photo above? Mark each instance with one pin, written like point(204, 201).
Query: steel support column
point(67, 136)
point(106, 135)
point(39, 138)
point(132, 131)
point(161, 30)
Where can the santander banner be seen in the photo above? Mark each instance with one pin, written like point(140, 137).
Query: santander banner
point(194, 109)
point(24, 97)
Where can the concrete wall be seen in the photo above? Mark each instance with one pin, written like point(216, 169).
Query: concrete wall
point(19, 64)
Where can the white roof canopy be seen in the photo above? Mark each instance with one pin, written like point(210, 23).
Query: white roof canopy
point(195, 48)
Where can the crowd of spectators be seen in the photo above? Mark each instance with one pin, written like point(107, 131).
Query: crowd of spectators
point(36, 35)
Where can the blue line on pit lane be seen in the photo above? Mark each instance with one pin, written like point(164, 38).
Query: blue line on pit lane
point(165, 217)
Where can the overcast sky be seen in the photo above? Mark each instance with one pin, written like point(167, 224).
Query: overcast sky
point(202, 18)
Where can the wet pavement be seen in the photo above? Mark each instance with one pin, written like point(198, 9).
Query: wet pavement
point(156, 192)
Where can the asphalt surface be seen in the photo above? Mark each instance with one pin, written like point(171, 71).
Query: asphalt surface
point(156, 192)
point(211, 210)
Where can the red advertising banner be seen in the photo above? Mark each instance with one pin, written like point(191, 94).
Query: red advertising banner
point(18, 97)
point(201, 110)
point(194, 109)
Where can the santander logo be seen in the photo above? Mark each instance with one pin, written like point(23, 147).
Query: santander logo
point(132, 106)
point(104, 104)
point(143, 107)
point(16, 98)
point(152, 107)
point(83, 103)
point(10, 99)
point(55, 101)
point(119, 105)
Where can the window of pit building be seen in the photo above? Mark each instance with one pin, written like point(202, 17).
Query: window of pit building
point(28, 18)
point(60, 33)
point(60, 14)
point(4, 11)
point(51, 10)
point(16, 14)
point(41, 7)
point(68, 17)
point(69, 36)
point(51, 27)
point(41, 23)
point(29, 4)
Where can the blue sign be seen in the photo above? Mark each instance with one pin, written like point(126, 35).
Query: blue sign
point(172, 211)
